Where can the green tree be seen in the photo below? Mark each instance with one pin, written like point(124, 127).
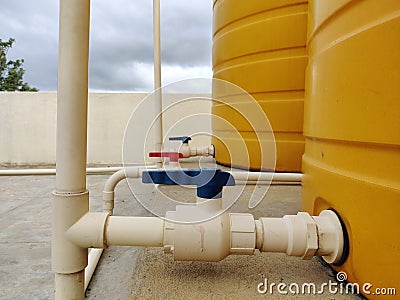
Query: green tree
point(12, 72)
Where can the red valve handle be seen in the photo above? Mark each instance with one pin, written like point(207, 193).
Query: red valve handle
point(173, 156)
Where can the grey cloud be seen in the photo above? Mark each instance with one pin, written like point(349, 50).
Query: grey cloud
point(121, 38)
point(186, 32)
point(124, 77)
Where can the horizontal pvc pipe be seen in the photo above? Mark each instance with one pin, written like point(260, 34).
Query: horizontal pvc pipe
point(93, 260)
point(251, 182)
point(266, 176)
point(99, 230)
point(239, 176)
point(27, 172)
point(134, 231)
point(275, 235)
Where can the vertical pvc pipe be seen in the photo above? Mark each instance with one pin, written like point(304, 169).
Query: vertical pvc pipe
point(71, 199)
point(157, 78)
point(72, 95)
point(68, 286)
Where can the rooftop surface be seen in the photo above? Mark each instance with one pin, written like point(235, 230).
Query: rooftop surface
point(143, 273)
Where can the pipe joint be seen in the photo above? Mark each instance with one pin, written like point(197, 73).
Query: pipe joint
point(243, 233)
point(68, 208)
point(330, 236)
point(302, 239)
point(302, 235)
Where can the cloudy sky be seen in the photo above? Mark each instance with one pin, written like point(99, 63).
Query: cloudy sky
point(121, 41)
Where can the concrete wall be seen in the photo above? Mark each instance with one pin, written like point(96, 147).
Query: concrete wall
point(28, 126)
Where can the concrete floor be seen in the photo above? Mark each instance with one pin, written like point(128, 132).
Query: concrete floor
point(139, 273)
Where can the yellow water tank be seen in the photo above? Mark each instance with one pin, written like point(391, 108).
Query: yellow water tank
point(352, 133)
point(260, 46)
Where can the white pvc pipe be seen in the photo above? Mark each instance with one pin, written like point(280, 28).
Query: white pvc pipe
point(69, 286)
point(134, 231)
point(109, 187)
point(128, 172)
point(258, 177)
point(240, 177)
point(267, 182)
point(157, 79)
point(89, 171)
point(157, 46)
point(72, 95)
point(93, 260)
point(99, 230)
point(23, 172)
point(71, 200)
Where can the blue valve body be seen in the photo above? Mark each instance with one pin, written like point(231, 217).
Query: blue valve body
point(209, 182)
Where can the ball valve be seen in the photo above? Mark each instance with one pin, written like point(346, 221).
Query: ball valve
point(188, 151)
point(198, 231)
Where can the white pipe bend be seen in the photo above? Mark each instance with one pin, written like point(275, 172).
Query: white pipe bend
point(108, 207)
point(109, 187)
point(111, 183)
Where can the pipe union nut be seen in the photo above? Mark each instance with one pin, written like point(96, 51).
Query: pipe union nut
point(242, 234)
point(311, 234)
